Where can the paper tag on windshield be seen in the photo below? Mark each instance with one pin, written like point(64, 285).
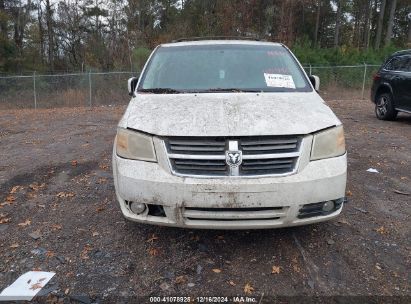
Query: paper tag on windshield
point(279, 81)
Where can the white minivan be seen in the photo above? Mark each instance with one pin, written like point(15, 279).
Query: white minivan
point(228, 134)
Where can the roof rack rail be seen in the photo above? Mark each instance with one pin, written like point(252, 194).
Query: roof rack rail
point(218, 38)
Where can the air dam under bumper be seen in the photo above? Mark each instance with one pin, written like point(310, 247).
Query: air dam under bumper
point(229, 203)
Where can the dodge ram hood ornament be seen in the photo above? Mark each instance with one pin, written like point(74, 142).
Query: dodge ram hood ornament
point(233, 158)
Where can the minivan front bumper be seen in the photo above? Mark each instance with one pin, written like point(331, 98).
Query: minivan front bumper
point(231, 202)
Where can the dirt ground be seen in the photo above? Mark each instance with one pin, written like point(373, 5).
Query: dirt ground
point(58, 213)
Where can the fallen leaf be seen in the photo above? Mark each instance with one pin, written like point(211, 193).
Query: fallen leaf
point(216, 270)
point(101, 208)
point(231, 283)
point(66, 291)
point(74, 163)
point(343, 221)
point(65, 194)
point(50, 254)
point(95, 233)
point(220, 237)
point(24, 224)
point(381, 230)
point(153, 251)
point(152, 239)
point(349, 193)
point(16, 189)
point(102, 180)
point(10, 198)
point(15, 245)
point(248, 289)
point(84, 253)
point(195, 238)
point(275, 270)
point(4, 219)
point(36, 286)
point(56, 227)
point(180, 279)
point(103, 166)
point(37, 186)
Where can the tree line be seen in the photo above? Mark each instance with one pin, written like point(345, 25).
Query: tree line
point(78, 35)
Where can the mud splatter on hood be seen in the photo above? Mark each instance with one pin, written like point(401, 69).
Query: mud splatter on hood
point(229, 114)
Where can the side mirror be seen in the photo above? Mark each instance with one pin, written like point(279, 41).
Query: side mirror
point(315, 80)
point(131, 85)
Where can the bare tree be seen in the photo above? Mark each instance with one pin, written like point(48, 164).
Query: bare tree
point(380, 23)
point(3, 21)
point(41, 29)
point(317, 22)
point(50, 34)
point(337, 23)
point(390, 22)
point(409, 30)
point(367, 24)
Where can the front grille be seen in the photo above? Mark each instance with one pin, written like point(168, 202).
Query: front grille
point(206, 156)
point(268, 166)
point(199, 166)
point(196, 146)
point(268, 145)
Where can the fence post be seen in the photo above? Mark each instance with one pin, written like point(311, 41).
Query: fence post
point(34, 90)
point(310, 71)
point(89, 88)
point(363, 81)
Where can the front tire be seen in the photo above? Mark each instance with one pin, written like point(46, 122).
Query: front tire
point(384, 107)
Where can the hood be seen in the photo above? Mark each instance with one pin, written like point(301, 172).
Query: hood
point(229, 114)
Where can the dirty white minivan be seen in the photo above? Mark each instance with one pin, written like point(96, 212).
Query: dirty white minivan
point(228, 134)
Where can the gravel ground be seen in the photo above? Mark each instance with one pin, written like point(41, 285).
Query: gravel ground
point(58, 213)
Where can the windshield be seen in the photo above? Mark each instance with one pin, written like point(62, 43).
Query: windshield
point(220, 68)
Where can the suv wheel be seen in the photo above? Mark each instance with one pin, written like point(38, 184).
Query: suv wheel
point(384, 107)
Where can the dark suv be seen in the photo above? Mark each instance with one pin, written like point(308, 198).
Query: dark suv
point(391, 89)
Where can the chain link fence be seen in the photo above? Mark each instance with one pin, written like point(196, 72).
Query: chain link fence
point(344, 82)
point(110, 88)
point(64, 90)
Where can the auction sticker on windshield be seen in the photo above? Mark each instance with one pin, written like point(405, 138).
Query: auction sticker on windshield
point(279, 81)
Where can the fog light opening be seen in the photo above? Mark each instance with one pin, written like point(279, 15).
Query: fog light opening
point(137, 208)
point(328, 206)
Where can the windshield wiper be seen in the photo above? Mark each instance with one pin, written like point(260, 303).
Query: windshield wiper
point(160, 91)
point(229, 90)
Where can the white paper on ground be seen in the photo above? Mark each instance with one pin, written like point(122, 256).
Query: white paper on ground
point(279, 81)
point(372, 170)
point(26, 286)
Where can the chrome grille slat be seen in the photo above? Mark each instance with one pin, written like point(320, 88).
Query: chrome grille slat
point(271, 147)
point(195, 143)
point(266, 167)
point(266, 162)
point(196, 148)
point(269, 142)
point(262, 155)
point(195, 168)
point(198, 163)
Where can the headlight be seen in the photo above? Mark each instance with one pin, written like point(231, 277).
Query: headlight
point(328, 143)
point(135, 145)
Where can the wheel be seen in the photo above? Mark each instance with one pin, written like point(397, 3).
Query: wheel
point(384, 107)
